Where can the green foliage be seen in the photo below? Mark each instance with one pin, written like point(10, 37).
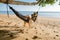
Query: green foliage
point(44, 2)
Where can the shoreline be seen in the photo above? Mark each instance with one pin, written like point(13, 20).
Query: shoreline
point(50, 15)
point(38, 16)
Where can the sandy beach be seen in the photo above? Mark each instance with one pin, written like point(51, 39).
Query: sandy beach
point(43, 29)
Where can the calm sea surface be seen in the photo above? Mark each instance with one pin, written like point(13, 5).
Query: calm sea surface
point(45, 14)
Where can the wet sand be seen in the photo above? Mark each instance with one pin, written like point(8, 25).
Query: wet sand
point(43, 29)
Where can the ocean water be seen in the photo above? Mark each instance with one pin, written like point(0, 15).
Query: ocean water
point(45, 14)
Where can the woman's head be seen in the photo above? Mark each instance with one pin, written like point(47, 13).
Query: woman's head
point(34, 16)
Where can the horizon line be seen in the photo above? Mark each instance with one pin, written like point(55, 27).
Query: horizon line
point(40, 11)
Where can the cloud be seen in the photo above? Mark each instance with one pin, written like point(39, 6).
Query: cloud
point(55, 8)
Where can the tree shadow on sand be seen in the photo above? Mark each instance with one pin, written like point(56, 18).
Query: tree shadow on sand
point(6, 35)
point(7, 26)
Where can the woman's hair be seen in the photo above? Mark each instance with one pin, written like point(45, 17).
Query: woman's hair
point(34, 16)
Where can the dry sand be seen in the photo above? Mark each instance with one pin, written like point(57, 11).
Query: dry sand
point(43, 29)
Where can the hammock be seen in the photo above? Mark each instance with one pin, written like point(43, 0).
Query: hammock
point(24, 18)
point(20, 15)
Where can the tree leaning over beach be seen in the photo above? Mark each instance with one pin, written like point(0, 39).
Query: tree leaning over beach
point(38, 2)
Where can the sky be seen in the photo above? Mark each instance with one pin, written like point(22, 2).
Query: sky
point(47, 8)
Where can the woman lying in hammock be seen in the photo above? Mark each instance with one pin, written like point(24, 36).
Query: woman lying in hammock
point(26, 19)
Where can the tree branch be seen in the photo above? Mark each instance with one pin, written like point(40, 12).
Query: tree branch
point(18, 2)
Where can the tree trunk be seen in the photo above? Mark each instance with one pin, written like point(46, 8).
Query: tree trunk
point(18, 2)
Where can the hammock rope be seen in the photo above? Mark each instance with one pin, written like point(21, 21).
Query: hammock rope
point(38, 8)
point(7, 8)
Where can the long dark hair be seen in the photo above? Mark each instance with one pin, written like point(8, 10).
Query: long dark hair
point(34, 16)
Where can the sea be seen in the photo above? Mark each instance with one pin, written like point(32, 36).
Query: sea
point(45, 14)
